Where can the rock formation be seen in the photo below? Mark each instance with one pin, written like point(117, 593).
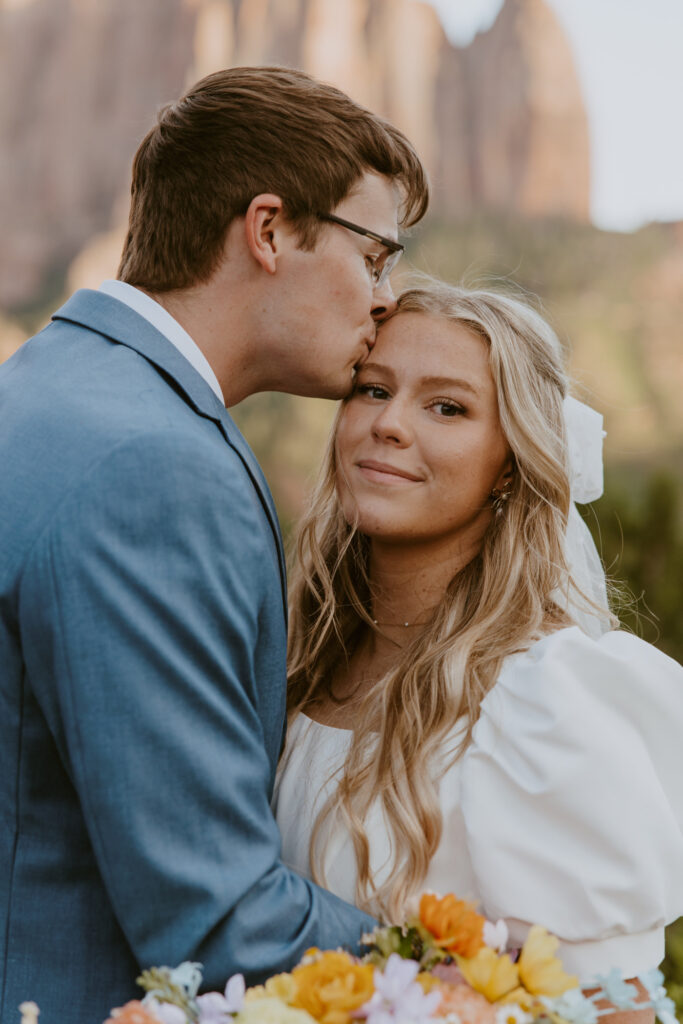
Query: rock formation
point(80, 81)
point(500, 123)
point(528, 130)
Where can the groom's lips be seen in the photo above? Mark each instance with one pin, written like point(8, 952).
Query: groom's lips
point(383, 471)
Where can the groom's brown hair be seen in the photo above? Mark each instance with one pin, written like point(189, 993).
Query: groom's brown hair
point(238, 133)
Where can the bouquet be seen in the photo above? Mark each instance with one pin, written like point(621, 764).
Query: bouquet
point(447, 963)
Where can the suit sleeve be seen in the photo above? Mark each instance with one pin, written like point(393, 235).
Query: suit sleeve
point(139, 611)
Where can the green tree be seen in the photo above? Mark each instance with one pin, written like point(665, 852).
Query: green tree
point(638, 528)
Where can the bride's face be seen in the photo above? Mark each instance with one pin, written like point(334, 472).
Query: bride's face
point(419, 442)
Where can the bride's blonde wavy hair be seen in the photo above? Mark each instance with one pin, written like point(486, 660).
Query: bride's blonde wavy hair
point(499, 604)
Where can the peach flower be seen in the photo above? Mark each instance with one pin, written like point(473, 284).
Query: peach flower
point(469, 1006)
point(132, 1013)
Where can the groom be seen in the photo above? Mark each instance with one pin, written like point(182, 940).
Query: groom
point(142, 580)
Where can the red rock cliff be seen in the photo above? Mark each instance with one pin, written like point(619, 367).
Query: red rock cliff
point(500, 123)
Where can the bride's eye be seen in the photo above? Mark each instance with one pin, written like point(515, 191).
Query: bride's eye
point(447, 407)
point(372, 391)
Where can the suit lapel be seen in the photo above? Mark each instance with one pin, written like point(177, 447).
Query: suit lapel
point(114, 320)
point(236, 441)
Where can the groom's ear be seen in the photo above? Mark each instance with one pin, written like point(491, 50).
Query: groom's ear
point(263, 217)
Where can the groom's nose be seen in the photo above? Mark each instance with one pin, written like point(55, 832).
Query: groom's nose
point(384, 302)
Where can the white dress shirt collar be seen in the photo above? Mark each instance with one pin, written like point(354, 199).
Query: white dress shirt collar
point(167, 325)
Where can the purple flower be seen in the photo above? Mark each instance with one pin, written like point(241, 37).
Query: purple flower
point(215, 1008)
point(234, 993)
point(398, 998)
point(396, 978)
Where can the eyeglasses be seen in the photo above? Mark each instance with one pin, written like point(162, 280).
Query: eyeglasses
point(381, 265)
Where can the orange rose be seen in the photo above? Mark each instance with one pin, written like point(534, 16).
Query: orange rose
point(132, 1013)
point(330, 986)
point(454, 924)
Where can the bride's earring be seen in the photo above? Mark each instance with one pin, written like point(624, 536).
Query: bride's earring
point(498, 499)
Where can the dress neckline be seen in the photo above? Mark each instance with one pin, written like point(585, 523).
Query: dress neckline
point(324, 725)
point(534, 646)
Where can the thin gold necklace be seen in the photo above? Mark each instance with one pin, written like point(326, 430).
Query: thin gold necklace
point(419, 622)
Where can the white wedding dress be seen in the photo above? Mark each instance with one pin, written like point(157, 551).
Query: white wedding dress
point(566, 810)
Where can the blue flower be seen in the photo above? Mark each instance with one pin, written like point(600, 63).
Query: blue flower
point(616, 990)
point(653, 980)
point(664, 1007)
point(573, 1006)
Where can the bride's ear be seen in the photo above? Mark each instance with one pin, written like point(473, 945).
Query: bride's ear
point(507, 475)
point(261, 222)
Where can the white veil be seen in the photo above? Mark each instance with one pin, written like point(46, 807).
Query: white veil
point(584, 440)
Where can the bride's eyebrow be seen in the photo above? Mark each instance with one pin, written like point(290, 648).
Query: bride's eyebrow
point(376, 368)
point(450, 382)
point(424, 382)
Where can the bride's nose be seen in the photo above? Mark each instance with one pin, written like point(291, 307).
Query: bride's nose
point(391, 424)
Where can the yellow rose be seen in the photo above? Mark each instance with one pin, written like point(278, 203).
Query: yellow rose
point(331, 986)
point(280, 986)
point(540, 971)
point(492, 975)
point(271, 1011)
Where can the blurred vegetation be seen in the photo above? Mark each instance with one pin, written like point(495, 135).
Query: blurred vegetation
point(673, 965)
point(638, 528)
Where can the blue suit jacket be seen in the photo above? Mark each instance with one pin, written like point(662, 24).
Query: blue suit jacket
point(142, 687)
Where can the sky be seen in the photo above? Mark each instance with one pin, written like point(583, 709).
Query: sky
point(629, 56)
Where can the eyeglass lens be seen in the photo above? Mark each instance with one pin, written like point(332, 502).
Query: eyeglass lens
point(387, 265)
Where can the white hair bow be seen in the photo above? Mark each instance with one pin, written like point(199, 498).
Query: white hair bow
point(584, 442)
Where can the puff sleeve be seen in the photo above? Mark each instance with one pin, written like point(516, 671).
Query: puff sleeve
point(572, 798)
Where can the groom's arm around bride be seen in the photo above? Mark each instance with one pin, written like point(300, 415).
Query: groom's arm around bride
point(142, 590)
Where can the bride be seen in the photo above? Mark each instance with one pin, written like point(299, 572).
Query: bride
point(464, 715)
